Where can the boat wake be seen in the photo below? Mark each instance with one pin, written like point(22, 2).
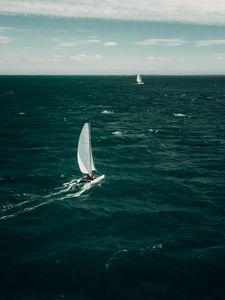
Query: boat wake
point(73, 186)
point(69, 189)
point(14, 210)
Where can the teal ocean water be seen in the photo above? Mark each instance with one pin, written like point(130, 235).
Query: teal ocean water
point(153, 229)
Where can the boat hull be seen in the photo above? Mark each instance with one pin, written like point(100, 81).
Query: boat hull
point(88, 184)
point(97, 179)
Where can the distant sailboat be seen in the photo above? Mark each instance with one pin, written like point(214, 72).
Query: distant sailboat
point(139, 80)
point(85, 159)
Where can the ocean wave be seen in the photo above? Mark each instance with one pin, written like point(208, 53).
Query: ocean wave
point(109, 112)
point(179, 115)
point(119, 132)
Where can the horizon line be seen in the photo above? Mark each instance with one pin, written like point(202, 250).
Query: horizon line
point(119, 75)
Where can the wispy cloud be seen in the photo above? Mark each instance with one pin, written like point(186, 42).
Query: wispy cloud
point(65, 45)
point(157, 58)
point(83, 57)
point(80, 57)
point(5, 40)
point(110, 44)
point(71, 44)
point(16, 29)
point(206, 43)
point(90, 41)
point(2, 28)
point(201, 11)
point(55, 59)
point(97, 56)
point(162, 42)
point(220, 56)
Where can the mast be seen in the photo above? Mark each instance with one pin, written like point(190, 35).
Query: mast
point(89, 144)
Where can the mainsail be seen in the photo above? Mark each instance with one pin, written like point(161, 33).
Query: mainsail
point(139, 80)
point(84, 151)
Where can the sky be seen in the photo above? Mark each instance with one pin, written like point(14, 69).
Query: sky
point(104, 37)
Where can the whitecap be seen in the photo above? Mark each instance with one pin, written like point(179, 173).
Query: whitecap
point(110, 262)
point(107, 112)
point(179, 115)
point(10, 92)
point(157, 246)
point(153, 130)
point(119, 132)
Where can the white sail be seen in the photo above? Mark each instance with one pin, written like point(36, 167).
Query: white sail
point(84, 151)
point(139, 80)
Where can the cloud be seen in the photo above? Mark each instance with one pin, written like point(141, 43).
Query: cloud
point(98, 56)
point(2, 28)
point(192, 11)
point(16, 29)
point(83, 57)
point(70, 44)
point(156, 58)
point(5, 40)
point(220, 56)
point(65, 45)
point(110, 44)
point(92, 37)
point(57, 58)
point(80, 57)
point(179, 42)
point(162, 42)
point(206, 43)
point(90, 41)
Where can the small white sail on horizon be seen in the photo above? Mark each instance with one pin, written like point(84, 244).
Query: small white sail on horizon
point(139, 79)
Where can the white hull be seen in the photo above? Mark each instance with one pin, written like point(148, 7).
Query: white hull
point(96, 180)
point(87, 185)
point(139, 82)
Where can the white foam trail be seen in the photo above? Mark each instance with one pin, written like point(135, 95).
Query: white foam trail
point(25, 210)
point(11, 206)
point(7, 217)
point(57, 196)
point(22, 208)
point(67, 186)
point(74, 195)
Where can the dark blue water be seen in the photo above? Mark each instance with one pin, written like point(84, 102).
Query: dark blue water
point(153, 229)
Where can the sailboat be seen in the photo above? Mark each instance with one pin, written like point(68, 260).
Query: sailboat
point(139, 80)
point(85, 159)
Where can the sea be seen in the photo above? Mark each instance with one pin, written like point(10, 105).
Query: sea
point(153, 229)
